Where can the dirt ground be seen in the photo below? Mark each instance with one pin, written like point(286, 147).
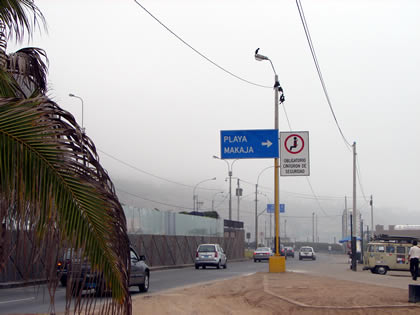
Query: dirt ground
point(278, 293)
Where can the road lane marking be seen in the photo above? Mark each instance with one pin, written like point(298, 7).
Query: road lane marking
point(20, 300)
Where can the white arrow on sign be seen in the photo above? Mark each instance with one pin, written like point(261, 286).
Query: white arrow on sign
point(268, 143)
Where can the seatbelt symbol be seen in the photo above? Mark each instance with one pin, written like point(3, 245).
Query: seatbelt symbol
point(295, 144)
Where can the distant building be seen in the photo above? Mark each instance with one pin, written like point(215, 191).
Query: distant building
point(399, 230)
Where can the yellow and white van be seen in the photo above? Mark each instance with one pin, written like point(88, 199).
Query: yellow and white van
point(388, 253)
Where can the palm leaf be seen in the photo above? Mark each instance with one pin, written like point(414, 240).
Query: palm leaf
point(29, 69)
point(20, 16)
point(51, 178)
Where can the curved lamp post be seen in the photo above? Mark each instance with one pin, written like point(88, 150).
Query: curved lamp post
point(195, 197)
point(72, 95)
point(230, 166)
point(256, 204)
point(277, 89)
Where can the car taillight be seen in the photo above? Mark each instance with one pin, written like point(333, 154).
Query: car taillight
point(59, 264)
point(215, 254)
point(196, 254)
point(255, 253)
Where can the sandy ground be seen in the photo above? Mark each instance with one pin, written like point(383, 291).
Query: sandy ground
point(281, 293)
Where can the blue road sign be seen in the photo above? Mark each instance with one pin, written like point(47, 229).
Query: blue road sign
point(270, 208)
point(249, 144)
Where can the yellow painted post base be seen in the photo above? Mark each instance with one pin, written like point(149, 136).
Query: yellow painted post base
point(277, 264)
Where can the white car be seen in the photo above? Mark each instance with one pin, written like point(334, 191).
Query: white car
point(210, 255)
point(306, 252)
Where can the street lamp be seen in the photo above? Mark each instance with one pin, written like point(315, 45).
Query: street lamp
point(72, 95)
point(230, 182)
point(277, 89)
point(256, 203)
point(195, 197)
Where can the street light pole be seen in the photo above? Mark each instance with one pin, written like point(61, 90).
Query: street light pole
point(230, 167)
point(195, 197)
point(256, 206)
point(354, 234)
point(276, 87)
point(72, 95)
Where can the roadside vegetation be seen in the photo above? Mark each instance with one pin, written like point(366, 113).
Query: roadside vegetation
point(53, 190)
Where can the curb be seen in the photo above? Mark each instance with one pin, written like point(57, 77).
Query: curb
point(18, 284)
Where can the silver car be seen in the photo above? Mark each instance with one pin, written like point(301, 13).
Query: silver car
point(210, 255)
point(262, 253)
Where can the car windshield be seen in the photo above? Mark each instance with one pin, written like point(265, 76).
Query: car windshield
point(263, 249)
point(306, 249)
point(206, 248)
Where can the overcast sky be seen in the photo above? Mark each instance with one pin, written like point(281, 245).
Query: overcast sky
point(152, 102)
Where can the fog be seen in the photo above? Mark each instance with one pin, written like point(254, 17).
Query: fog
point(154, 108)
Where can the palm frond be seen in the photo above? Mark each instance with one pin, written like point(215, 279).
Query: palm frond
point(19, 17)
point(28, 67)
point(51, 180)
point(9, 87)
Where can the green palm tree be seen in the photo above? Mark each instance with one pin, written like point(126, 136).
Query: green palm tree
point(52, 186)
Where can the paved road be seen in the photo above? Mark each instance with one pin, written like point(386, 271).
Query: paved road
point(36, 299)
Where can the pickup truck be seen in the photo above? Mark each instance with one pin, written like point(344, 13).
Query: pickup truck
point(79, 276)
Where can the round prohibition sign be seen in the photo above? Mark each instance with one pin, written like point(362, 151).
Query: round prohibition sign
point(296, 143)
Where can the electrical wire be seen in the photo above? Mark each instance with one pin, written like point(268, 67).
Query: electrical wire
point(199, 53)
point(359, 179)
point(151, 200)
point(307, 179)
point(150, 174)
point(318, 68)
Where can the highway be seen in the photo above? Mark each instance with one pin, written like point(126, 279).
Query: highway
point(36, 299)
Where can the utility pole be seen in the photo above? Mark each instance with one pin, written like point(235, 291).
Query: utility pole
point(238, 194)
point(354, 232)
point(285, 222)
point(371, 216)
point(256, 215)
point(265, 231)
point(271, 231)
point(313, 227)
point(316, 228)
point(346, 220)
point(361, 241)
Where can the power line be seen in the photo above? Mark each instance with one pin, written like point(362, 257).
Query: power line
point(359, 179)
point(150, 174)
point(151, 200)
point(307, 179)
point(318, 68)
point(199, 53)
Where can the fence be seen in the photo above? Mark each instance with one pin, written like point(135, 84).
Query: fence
point(155, 222)
point(167, 250)
point(160, 250)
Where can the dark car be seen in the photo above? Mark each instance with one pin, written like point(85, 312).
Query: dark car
point(290, 251)
point(281, 250)
point(64, 263)
point(81, 277)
